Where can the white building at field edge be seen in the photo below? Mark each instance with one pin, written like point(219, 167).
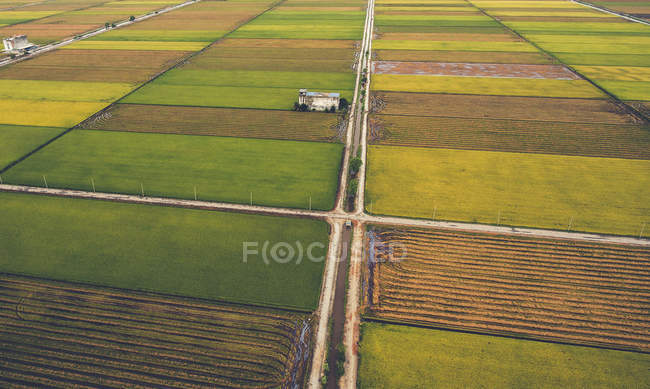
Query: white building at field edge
point(319, 101)
point(17, 44)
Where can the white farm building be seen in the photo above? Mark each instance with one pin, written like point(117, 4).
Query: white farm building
point(17, 44)
point(318, 101)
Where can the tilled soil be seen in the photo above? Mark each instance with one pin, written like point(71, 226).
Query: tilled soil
point(556, 72)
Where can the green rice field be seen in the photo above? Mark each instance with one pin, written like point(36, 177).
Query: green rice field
point(278, 173)
point(175, 251)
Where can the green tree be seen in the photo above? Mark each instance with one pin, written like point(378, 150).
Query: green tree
point(131, 18)
point(355, 165)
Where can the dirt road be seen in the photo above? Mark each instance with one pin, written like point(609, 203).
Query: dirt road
point(325, 306)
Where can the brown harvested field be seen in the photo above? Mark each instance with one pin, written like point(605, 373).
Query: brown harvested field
point(55, 334)
point(133, 59)
point(557, 72)
point(517, 136)
point(253, 53)
point(501, 107)
point(560, 290)
point(210, 20)
point(406, 36)
point(462, 56)
point(288, 43)
point(45, 33)
point(579, 19)
point(249, 123)
point(270, 64)
point(288, 8)
point(429, 12)
point(106, 74)
point(87, 65)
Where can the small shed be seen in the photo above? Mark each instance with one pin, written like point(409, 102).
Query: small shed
point(17, 44)
point(319, 101)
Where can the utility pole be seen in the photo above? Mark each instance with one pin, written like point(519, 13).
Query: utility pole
point(642, 230)
point(433, 217)
point(142, 188)
point(570, 223)
point(251, 198)
point(92, 182)
point(310, 202)
point(499, 218)
point(195, 195)
point(45, 181)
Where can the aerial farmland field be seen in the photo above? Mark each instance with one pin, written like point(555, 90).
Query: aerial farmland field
point(168, 165)
point(407, 357)
point(324, 194)
point(554, 290)
point(165, 250)
point(534, 190)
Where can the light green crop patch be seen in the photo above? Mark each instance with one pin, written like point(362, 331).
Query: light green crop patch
point(160, 35)
point(46, 113)
point(277, 172)
point(616, 73)
point(453, 46)
point(486, 86)
point(398, 356)
point(17, 141)
point(12, 17)
point(627, 90)
point(298, 32)
point(220, 96)
point(255, 79)
point(565, 28)
point(526, 4)
point(534, 190)
point(597, 48)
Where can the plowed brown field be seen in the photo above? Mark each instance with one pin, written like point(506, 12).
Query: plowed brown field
point(66, 335)
point(517, 136)
point(568, 291)
point(249, 123)
point(502, 107)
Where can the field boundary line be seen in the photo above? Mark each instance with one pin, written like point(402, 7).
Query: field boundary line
point(612, 12)
point(630, 109)
point(501, 334)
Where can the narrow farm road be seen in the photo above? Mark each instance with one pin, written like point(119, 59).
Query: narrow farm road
point(338, 310)
point(354, 116)
point(352, 313)
point(363, 143)
point(90, 34)
point(325, 306)
point(611, 12)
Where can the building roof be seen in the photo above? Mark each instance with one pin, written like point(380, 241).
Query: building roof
point(323, 94)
